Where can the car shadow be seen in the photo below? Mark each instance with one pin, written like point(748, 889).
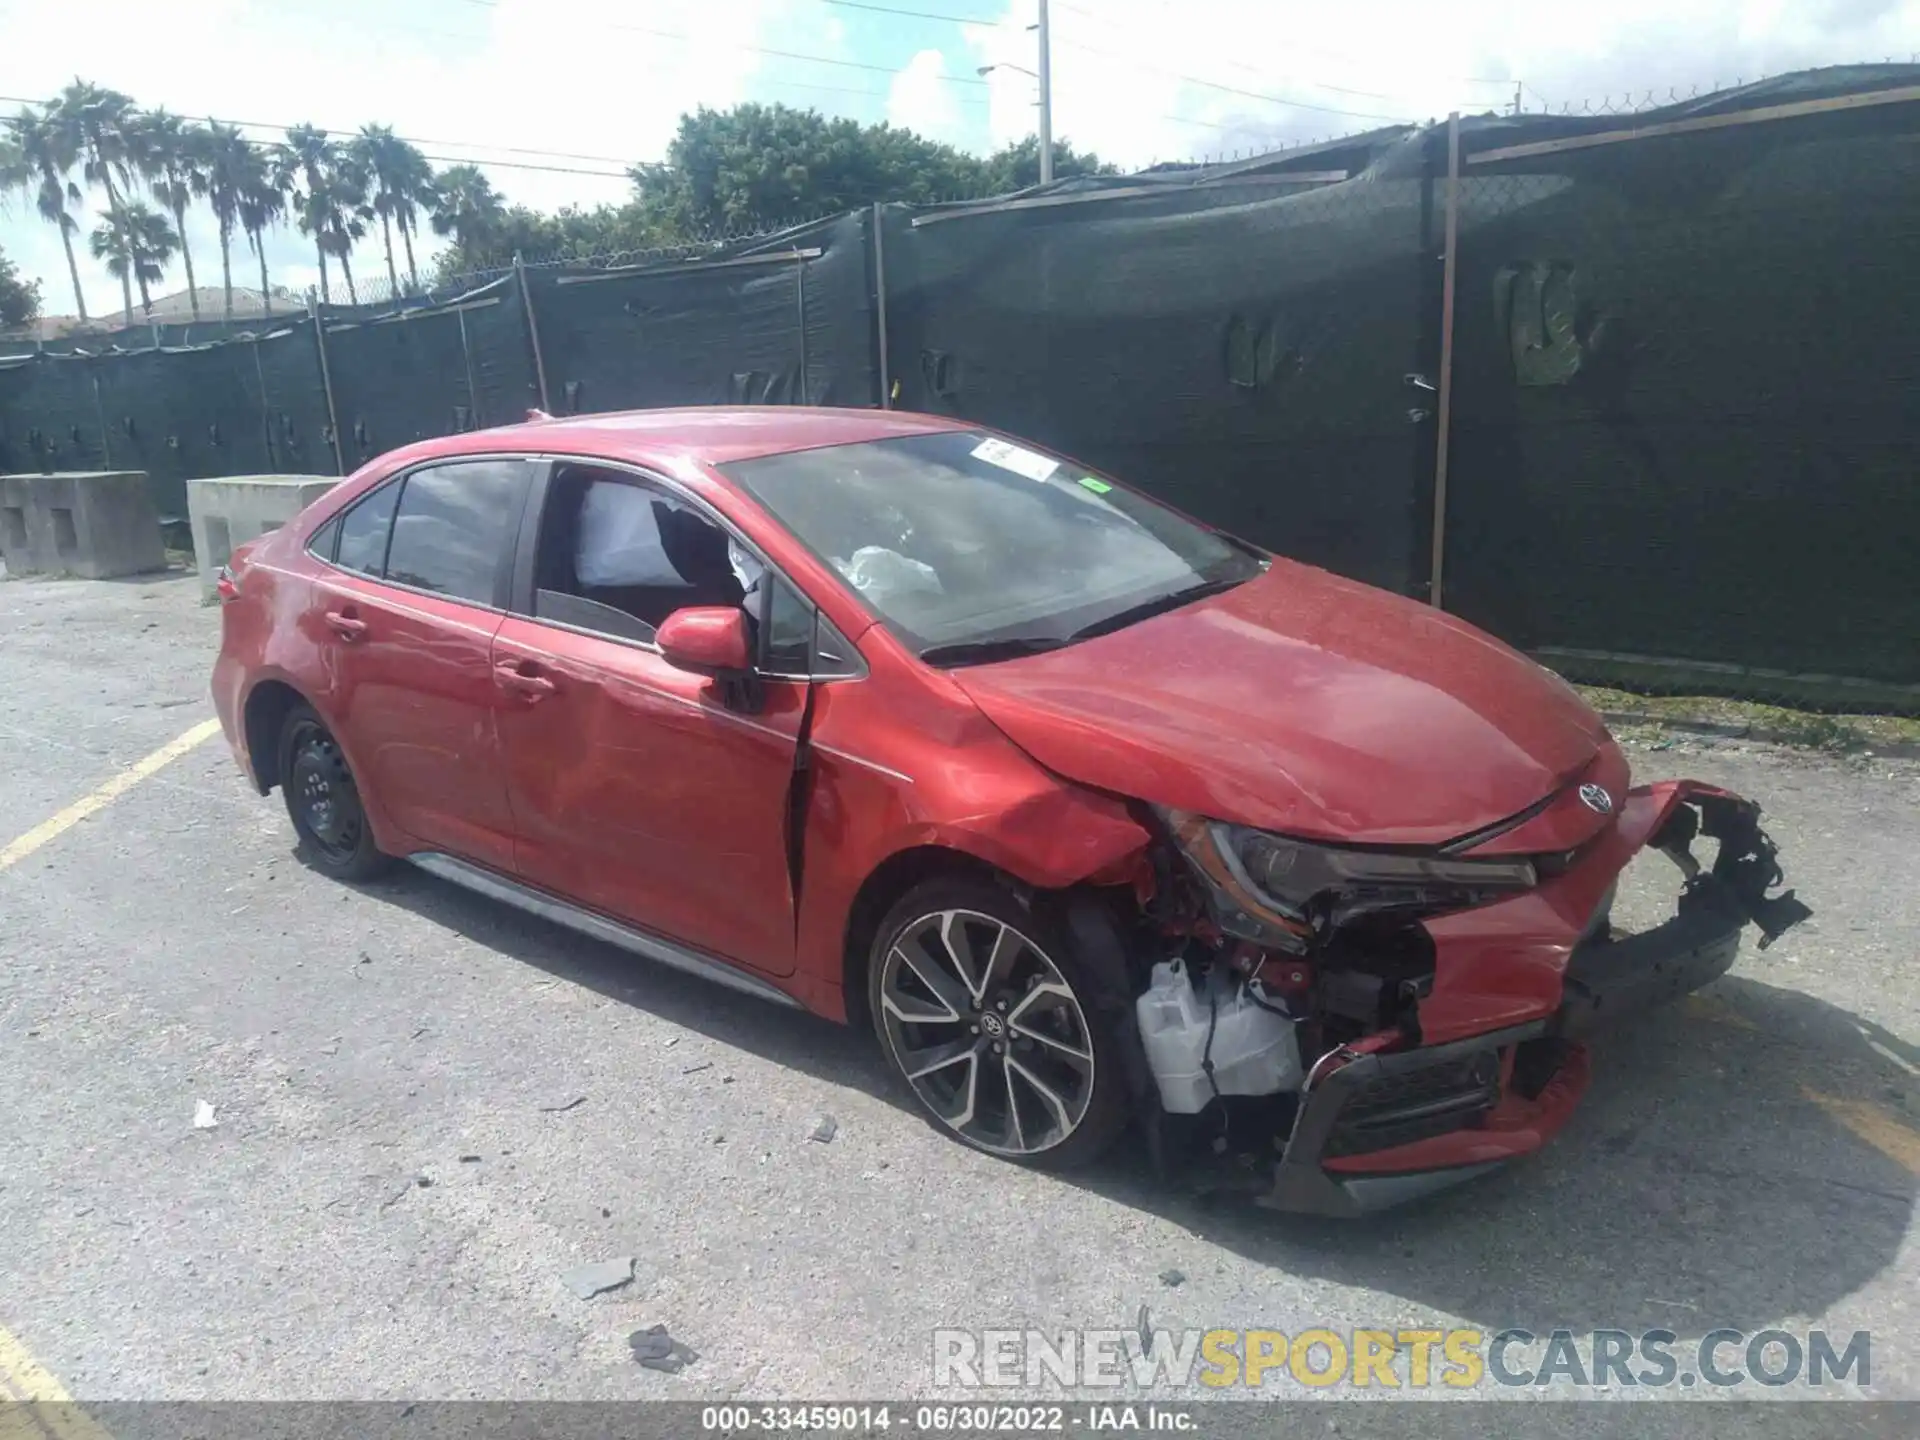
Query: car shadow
point(1722, 1172)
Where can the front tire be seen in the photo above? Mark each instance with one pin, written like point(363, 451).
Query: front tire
point(990, 1020)
point(323, 800)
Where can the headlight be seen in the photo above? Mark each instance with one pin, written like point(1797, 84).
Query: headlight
point(1253, 871)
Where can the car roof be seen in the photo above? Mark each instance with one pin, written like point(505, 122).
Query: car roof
point(705, 435)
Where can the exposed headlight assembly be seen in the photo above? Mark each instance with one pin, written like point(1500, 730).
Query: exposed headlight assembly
point(1275, 890)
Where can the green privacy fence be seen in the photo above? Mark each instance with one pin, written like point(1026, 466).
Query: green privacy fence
point(1662, 360)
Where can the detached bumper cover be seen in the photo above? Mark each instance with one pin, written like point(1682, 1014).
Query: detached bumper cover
point(1387, 1127)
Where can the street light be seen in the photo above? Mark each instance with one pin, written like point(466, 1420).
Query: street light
point(1045, 76)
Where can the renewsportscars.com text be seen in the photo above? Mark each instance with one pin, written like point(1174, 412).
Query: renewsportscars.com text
point(1398, 1359)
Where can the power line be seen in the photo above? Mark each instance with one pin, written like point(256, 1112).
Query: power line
point(1233, 89)
point(684, 38)
point(914, 14)
point(420, 140)
point(1333, 55)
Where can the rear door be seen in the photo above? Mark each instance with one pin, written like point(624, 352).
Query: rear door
point(406, 614)
point(639, 789)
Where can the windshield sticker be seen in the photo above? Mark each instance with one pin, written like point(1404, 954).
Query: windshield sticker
point(1011, 457)
point(1099, 487)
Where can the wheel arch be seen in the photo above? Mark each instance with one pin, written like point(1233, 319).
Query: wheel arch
point(264, 715)
point(892, 878)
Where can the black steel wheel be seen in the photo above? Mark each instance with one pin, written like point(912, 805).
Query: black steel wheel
point(323, 800)
point(986, 1015)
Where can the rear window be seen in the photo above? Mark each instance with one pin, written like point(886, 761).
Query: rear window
point(453, 533)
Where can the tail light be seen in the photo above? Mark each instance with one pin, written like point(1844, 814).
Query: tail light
point(225, 586)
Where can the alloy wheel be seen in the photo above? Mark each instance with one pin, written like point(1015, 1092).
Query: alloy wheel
point(987, 1031)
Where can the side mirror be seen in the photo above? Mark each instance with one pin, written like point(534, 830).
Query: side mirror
point(706, 639)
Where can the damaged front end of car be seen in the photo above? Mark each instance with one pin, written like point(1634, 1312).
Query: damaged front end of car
point(1346, 1028)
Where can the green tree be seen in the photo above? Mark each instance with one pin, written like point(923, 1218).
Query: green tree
point(234, 165)
point(36, 158)
point(402, 185)
point(263, 204)
point(327, 188)
point(1017, 166)
point(137, 243)
point(757, 165)
point(101, 129)
point(174, 155)
point(468, 211)
point(19, 299)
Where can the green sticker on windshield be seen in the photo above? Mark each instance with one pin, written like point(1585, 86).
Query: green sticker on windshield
point(1099, 487)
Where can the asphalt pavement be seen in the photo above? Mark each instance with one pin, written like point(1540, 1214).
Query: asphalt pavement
point(428, 1109)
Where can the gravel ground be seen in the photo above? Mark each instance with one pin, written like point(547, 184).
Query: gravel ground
point(430, 1108)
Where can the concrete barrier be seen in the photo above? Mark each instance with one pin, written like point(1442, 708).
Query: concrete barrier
point(94, 524)
point(229, 511)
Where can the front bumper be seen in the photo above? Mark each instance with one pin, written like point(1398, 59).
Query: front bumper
point(1381, 1128)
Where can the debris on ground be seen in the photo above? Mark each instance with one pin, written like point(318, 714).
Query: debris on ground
point(696, 1069)
point(562, 1109)
point(587, 1281)
point(1144, 1324)
point(654, 1348)
point(423, 1181)
point(824, 1128)
point(469, 1159)
point(203, 1116)
point(1172, 1279)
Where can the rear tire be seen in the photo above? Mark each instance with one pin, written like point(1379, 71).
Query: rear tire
point(991, 1020)
point(323, 800)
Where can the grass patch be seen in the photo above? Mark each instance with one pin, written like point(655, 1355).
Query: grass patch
point(1769, 722)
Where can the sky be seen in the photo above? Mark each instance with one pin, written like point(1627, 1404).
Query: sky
point(557, 97)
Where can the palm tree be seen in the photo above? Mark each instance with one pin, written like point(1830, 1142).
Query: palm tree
point(35, 159)
point(173, 155)
point(260, 205)
point(402, 182)
point(231, 163)
point(468, 208)
point(100, 129)
point(328, 187)
point(136, 242)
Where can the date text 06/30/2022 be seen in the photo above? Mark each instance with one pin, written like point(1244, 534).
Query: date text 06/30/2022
point(965, 1418)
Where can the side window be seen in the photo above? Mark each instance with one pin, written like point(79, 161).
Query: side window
point(324, 539)
point(617, 556)
point(453, 532)
point(363, 531)
point(788, 649)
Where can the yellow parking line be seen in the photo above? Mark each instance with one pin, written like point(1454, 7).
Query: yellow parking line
point(98, 800)
point(1890, 1137)
point(49, 1412)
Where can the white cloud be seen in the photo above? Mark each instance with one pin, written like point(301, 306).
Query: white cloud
point(1126, 73)
point(595, 78)
point(921, 98)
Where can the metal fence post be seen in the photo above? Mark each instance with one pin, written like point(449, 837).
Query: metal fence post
point(533, 329)
point(466, 357)
point(266, 410)
point(880, 301)
point(800, 302)
point(326, 383)
point(100, 414)
point(1450, 268)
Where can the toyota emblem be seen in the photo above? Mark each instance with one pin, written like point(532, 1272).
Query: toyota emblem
point(1596, 799)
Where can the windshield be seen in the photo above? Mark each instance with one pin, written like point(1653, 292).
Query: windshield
point(961, 541)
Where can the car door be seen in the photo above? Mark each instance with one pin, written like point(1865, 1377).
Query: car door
point(415, 587)
point(641, 790)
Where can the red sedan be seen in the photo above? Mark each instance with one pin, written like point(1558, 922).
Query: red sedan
point(1095, 814)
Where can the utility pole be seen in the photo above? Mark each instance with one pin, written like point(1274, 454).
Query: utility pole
point(1518, 91)
point(1046, 98)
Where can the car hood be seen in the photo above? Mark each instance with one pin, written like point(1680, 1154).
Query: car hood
point(1303, 703)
